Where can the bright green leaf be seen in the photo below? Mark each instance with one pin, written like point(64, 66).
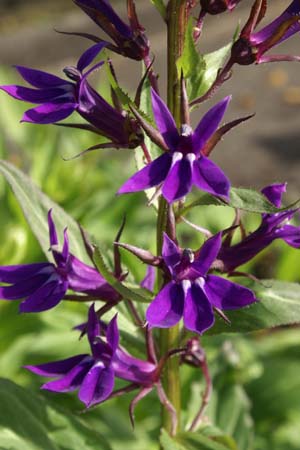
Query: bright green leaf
point(279, 304)
point(240, 198)
point(200, 71)
point(197, 441)
point(168, 443)
point(35, 206)
point(136, 294)
point(28, 422)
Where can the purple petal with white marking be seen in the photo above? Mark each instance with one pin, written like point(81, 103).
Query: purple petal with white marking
point(49, 113)
point(178, 182)
point(198, 313)
point(150, 176)
point(225, 294)
point(209, 124)
point(164, 121)
point(208, 177)
point(167, 308)
point(274, 193)
point(97, 385)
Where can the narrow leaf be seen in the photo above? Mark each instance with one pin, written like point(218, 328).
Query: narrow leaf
point(279, 304)
point(29, 422)
point(126, 292)
point(161, 7)
point(35, 206)
point(245, 199)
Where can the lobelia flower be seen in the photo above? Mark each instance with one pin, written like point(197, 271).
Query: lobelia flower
point(251, 47)
point(192, 293)
point(184, 162)
point(130, 40)
point(94, 375)
point(273, 226)
point(44, 285)
point(59, 98)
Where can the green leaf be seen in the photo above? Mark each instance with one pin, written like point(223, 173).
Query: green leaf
point(168, 443)
point(200, 71)
point(190, 441)
point(161, 7)
point(279, 304)
point(240, 198)
point(35, 206)
point(28, 422)
point(197, 441)
point(135, 294)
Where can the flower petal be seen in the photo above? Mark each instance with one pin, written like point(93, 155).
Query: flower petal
point(72, 379)
point(171, 253)
point(208, 177)
point(198, 313)
point(112, 334)
point(25, 287)
point(17, 273)
point(207, 254)
point(39, 78)
point(225, 294)
point(178, 182)
point(290, 234)
point(34, 95)
point(89, 55)
point(44, 298)
point(274, 193)
point(97, 385)
point(49, 113)
point(164, 121)
point(167, 308)
point(150, 176)
point(58, 367)
point(209, 124)
point(149, 279)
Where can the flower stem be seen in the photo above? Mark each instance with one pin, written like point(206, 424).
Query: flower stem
point(169, 337)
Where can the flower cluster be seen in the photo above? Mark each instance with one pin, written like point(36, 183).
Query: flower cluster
point(192, 285)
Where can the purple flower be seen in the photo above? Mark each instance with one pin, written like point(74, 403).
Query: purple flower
point(273, 226)
point(192, 293)
point(218, 6)
point(251, 46)
point(185, 163)
point(44, 285)
point(58, 99)
point(130, 40)
point(94, 374)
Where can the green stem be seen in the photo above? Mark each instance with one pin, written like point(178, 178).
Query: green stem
point(169, 337)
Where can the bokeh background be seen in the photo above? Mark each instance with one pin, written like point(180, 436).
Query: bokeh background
point(256, 377)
